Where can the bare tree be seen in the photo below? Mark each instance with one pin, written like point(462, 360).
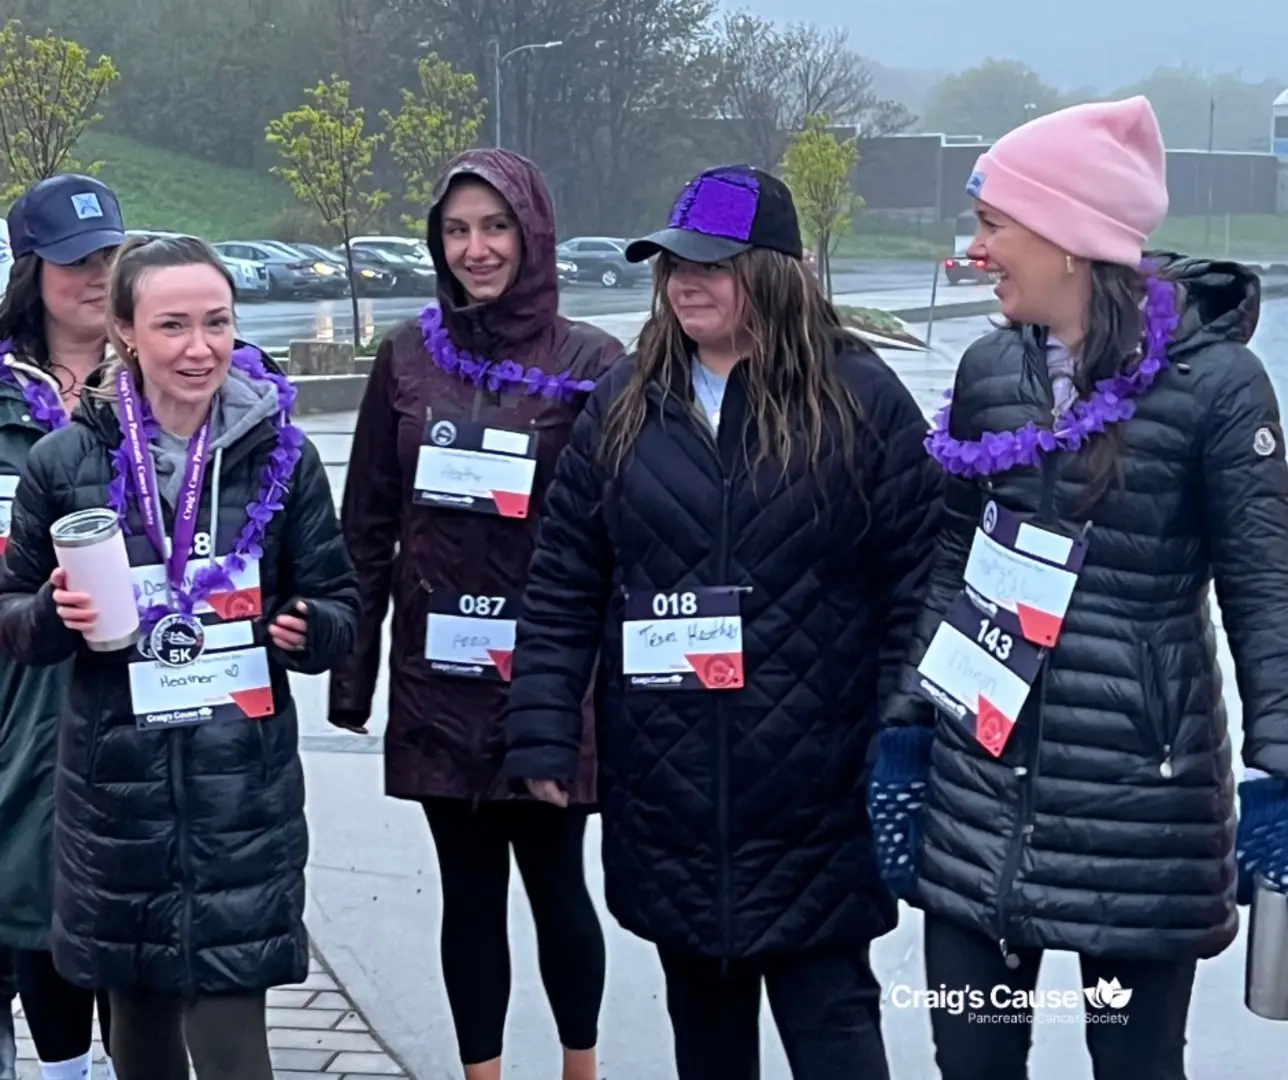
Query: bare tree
point(773, 78)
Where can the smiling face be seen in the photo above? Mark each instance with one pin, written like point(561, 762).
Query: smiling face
point(183, 334)
point(1036, 286)
point(75, 296)
point(481, 239)
point(707, 301)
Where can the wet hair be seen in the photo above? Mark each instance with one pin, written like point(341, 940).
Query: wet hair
point(134, 259)
point(22, 311)
point(796, 394)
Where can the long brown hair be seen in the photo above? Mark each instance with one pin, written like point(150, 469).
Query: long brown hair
point(795, 392)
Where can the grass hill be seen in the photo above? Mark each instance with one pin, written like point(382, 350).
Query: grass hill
point(159, 189)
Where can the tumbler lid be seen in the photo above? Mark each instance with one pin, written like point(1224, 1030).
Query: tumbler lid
point(84, 528)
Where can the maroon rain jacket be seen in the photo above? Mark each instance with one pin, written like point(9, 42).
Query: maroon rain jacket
point(446, 735)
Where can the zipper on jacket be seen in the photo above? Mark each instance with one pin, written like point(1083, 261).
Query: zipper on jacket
point(722, 747)
point(1026, 774)
point(178, 793)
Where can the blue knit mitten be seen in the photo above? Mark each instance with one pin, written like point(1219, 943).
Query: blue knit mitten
point(1261, 845)
point(896, 792)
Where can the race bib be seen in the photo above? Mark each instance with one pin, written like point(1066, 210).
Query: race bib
point(472, 466)
point(980, 668)
point(203, 668)
point(8, 489)
point(688, 639)
point(232, 684)
point(471, 636)
point(1028, 569)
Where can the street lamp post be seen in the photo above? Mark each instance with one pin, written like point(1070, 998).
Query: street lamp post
point(1207, 232)
point(497, 61)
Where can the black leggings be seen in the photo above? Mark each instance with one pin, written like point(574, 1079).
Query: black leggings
point(1141, 1039)
point(474, 865)
point(60, 1015)
point(153, 1034)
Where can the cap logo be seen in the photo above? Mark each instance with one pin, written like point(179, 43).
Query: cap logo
point(976, 183)
point(87, 206)
point(718, 204)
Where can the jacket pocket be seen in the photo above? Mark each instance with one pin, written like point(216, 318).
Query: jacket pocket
point(1161, 723)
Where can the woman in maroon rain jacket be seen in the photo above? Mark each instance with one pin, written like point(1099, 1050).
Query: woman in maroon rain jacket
point(466, 411)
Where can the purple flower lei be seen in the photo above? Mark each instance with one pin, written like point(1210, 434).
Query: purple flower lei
point(497, 376)
point(45, 406)
point(273, 481)
point(1111, 402)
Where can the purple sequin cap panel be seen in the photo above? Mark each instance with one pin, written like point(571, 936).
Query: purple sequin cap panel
point(718, 204)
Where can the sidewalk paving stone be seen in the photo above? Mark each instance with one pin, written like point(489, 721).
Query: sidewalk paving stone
point(314, 1031)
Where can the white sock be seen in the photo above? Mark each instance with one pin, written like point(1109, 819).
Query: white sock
point(76, 1069)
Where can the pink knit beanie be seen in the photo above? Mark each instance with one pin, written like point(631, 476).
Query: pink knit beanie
point(1092, 179)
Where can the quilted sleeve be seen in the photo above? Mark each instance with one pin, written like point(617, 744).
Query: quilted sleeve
point(561, 618)
point(1245, 483)
point(906, 496)
point(317, 570)
point(953, 528)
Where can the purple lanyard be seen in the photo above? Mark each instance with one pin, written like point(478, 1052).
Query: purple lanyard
point(145, 485)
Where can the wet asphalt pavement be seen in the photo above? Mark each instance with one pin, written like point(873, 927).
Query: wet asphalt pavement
point(273, 324)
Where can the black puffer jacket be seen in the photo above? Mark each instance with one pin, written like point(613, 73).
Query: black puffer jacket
point(179, 854)
point(733, 820)
point(1107, 826)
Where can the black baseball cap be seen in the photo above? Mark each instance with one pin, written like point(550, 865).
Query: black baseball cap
point(723, 212)
point(64, 219)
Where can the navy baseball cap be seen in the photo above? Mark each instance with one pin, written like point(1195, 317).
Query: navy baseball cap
point(64, 219)
point(723, 212)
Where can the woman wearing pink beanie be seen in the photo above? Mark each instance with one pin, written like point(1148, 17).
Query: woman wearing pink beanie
point(1056, 770)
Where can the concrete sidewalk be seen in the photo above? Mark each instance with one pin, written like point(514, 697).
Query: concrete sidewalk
point(314, 1031)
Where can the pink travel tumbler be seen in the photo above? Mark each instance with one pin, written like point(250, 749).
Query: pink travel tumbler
point(90, 547)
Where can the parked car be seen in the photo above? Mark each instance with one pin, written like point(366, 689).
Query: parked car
point(332, 282)
point(371, 280)
point(962, 268)
point(290, 276)
point(396, 245)
point(251, 276)
point(567, 271)
point(603, 259)
point(412, 277)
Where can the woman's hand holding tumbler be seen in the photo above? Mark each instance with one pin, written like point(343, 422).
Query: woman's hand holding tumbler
point(75, 609)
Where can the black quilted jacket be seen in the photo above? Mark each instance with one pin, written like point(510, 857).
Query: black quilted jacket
point(178, 855)
point(1107, 827)
point(733, 820)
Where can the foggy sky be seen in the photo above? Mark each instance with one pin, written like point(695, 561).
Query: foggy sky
point(1071, 44)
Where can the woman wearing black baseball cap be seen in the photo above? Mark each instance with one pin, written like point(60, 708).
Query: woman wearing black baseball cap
point(738, 533)
point(53, 331)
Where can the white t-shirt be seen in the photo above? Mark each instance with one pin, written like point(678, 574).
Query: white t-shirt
point(709, 389)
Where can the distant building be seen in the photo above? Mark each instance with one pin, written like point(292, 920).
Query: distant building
point(1279, 126)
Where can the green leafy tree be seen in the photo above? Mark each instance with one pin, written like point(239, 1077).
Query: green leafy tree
point(989, 100)
point(819, 168)
point(49, 95)
point(327, 154)
point(432, 127)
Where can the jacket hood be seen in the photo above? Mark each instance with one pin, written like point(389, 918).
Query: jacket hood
point(1222, 301)
point(531, 304)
